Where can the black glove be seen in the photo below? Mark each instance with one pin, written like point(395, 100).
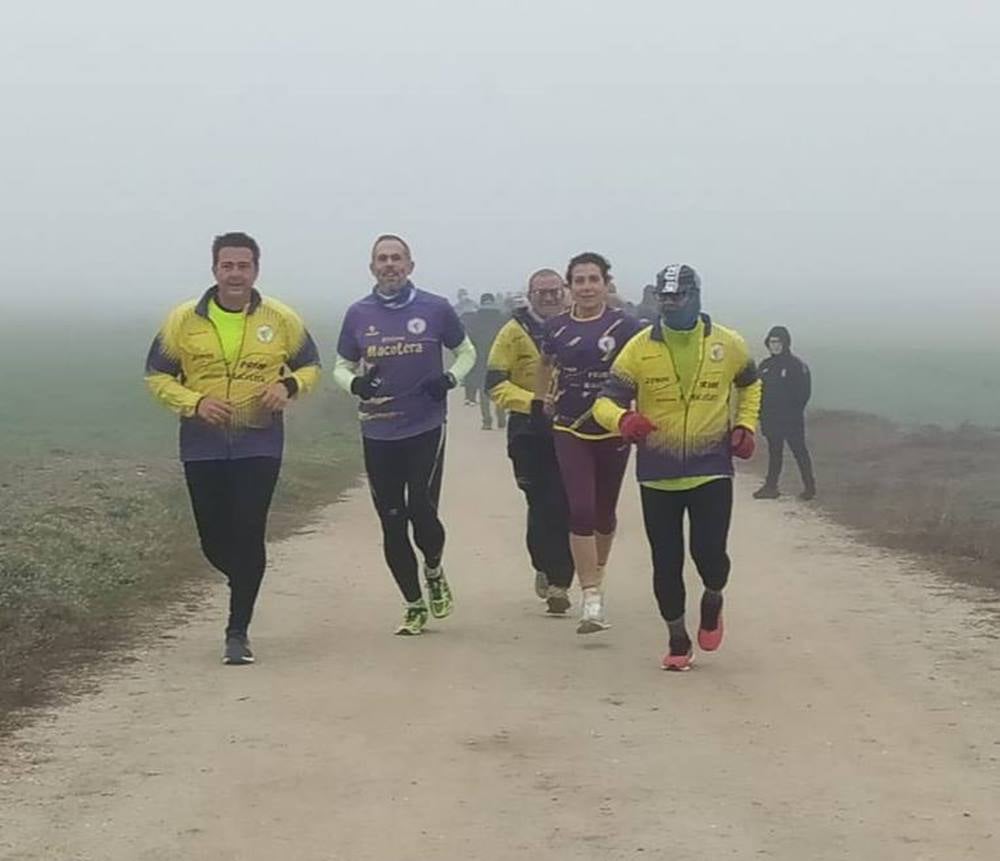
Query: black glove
point(367, 386)
point(437, 388)
point(538, 421)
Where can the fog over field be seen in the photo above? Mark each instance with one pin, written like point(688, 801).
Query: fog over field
point(820, 166)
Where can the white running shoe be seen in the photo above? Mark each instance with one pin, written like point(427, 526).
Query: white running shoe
point(593, 618)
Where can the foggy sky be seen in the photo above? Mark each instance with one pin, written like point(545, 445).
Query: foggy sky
point(812, 163)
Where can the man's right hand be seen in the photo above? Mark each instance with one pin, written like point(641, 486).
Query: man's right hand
point(635, 427)
point(366, 386)
point(214, 411)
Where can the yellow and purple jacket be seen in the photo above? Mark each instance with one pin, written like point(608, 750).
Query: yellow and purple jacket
point(513, 362)
point(692, 436)
point(187, 362)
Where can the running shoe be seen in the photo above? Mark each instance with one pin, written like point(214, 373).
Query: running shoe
point(710, 629)
point(808, 494)
point(593, 618)
point(414, 620)
point(679, 657)
point(441, 600)
point(558, 600)
point(767, 492)
point(237, 652)
point(541, 585)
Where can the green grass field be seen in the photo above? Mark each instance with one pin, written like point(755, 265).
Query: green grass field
point(909, 385)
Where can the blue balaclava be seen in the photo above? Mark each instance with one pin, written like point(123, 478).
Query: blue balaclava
point(679, 278)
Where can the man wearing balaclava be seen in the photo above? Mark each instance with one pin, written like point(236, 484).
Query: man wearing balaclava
point(787, 387)
point(687, 376)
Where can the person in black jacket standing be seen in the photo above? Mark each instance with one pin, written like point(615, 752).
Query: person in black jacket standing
point(787, 387)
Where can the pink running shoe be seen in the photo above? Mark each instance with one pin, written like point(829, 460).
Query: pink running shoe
point(678, 663)
point(709, 641)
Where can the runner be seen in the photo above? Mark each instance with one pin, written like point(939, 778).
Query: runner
point(229, 364)
point(682, 373)
point(578, 348)
point(467, 309)
point(390, 356)
point(483, 329)
point(787, 388)
point(510, 377)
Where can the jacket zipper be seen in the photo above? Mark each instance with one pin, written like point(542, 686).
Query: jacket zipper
point(684, 396)
point(229, 369)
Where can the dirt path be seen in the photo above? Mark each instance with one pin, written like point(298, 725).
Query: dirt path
point(853, 713)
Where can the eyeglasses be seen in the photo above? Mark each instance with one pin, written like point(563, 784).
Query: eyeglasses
point(547, 292)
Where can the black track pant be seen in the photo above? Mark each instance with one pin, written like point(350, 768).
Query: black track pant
point(405, 480)
point(230, 500)
point(709, 509)
point(795, 435)
point(536, 471)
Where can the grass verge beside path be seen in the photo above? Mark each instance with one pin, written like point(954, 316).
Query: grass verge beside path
point(923, 489)
point(96, 550)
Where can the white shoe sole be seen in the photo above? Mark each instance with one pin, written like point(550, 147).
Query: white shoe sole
point(686, 669)
point(591, 626)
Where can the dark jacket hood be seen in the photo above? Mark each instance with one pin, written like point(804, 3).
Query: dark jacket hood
point(782, 333)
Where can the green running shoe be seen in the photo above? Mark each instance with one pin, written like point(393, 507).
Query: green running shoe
point(442, 601)
point(414, 620)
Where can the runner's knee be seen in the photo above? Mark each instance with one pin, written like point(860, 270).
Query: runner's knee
point(713, 566)
point(582, 518)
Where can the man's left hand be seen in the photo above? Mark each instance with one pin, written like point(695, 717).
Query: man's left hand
point(437, 388)
point(275, 398)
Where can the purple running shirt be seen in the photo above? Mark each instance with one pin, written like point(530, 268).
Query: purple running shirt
point(583, 351)
point(404, 341)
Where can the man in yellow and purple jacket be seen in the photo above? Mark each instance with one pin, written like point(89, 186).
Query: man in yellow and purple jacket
point(229, 364)
point(696, 397)
point(511, 371)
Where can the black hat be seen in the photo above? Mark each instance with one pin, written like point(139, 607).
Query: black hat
point(676, 278)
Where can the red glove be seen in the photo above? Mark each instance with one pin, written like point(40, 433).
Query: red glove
point(635, 427)
point(742, 443)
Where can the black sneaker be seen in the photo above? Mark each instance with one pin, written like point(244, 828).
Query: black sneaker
point(767, 492)
point(237, 651)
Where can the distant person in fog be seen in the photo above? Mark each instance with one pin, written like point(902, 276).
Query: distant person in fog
point(787, 388)
point(483, 329)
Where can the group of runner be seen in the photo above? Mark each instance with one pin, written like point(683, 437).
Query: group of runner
point(581, 379)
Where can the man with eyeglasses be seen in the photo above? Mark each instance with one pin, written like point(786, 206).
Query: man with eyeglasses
point(510, 378)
